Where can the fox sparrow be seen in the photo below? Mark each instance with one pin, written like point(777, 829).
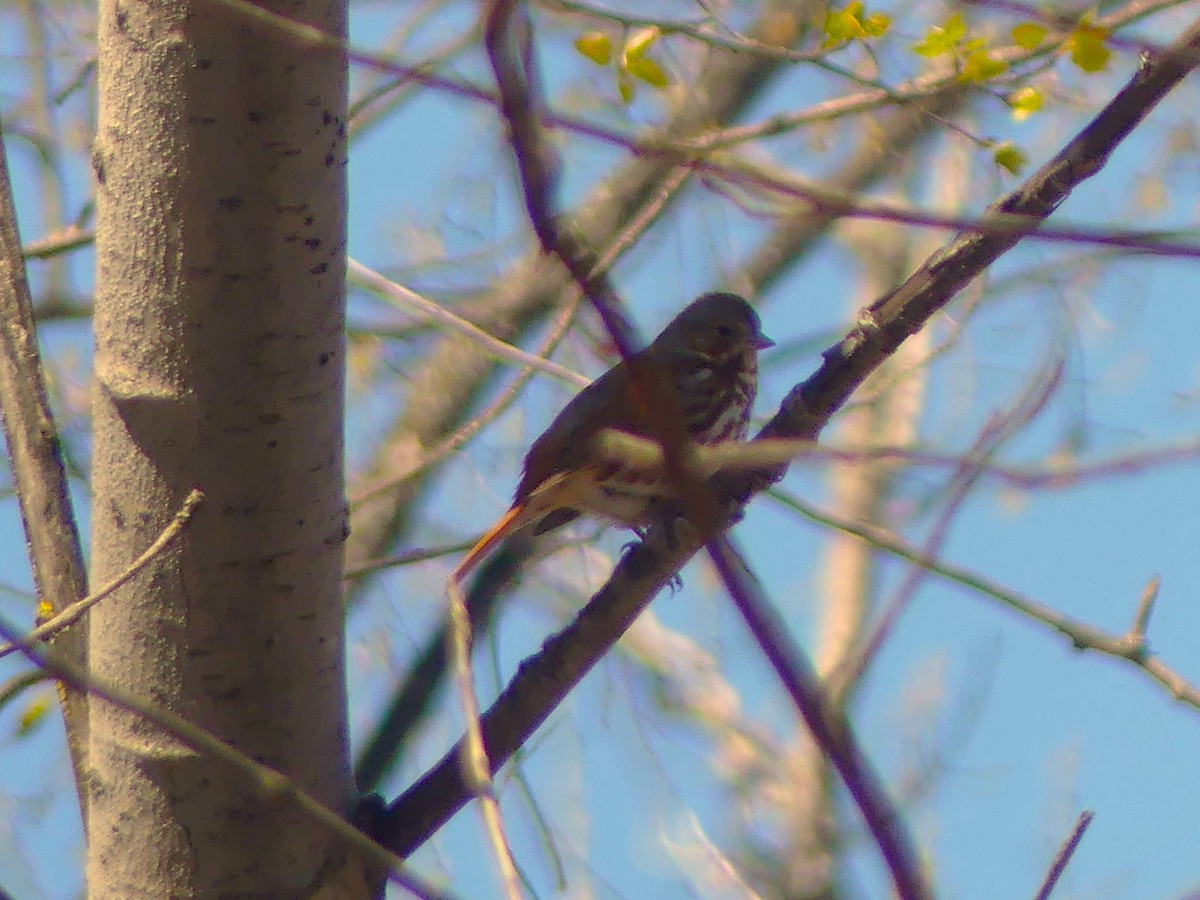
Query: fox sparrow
point(709, 353)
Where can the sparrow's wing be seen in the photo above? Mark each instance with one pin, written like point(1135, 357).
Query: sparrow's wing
point(608, 402)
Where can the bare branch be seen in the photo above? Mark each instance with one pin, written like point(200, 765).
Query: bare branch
point(76, 610)
point(476, 768)
point(826, 721)
point(1065, 852)
point(33, 446)
point(438, 313)
point(1130, 647)
point(408, 558)
point(1141, 618)
point(994, 433)
point(70, 238)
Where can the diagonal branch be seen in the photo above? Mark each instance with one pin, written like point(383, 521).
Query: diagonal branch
point(34, 449)
point(826, 720)
point(544, 679)
point(1065, 852)
point(74, 612)
point(259, 776)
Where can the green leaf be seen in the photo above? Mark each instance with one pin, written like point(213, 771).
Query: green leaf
point(647, 70)
point(843, 25)
point(33, 715)
point(980, 66)
point(1024, 102)
point(1029, 35)
point(956, 27)
point(849, 24)
point(877, 24)
point(1010, 157)
point(625, 86)
point(596, 46)
point(942, 39)
point(1087, 48)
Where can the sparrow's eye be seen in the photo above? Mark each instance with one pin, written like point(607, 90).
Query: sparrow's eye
point(725, 331)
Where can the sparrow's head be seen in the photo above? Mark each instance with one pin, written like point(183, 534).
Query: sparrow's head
point(715, 326)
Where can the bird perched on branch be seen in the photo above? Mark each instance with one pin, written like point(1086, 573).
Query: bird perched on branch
point(708, 354)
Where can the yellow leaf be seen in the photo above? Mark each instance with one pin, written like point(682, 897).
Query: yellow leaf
point(596, 46)
point(33, 715)
point(625, 86)
point(981, 66)
point(955, 27)
point(1010, 157)
point(648, 71)
point(877, 24)
point(1087, 48)
point(640, 41)
point(842, 25)
point(1029, 35)
point(1024, 102)
point(941, 39)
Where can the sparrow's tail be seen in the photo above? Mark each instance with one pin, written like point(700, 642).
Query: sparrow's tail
point(516, 517)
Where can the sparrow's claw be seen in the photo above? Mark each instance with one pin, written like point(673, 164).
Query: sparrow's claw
point(640, 532)
point(676, 582)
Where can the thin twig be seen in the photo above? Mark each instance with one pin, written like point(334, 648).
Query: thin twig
point(63, 241)
point(408, 557)
point(765, 177)
point(1065, 852)
point(1130, 647)
point(473, 426)
point(376, 100)
point(826, 721)
point(501, 350)
point(52, 190)
point(26, 678)
point(993, 434)
point(263, 778)
point(476, 768)
point(1141, 618)
point(760, 454)
point(76, 610)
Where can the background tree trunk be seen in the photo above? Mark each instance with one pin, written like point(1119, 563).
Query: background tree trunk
point(220, 162)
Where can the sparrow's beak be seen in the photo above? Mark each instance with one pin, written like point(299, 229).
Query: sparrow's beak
point(762, 342)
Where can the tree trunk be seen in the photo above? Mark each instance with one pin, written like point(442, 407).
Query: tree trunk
point(220, 161)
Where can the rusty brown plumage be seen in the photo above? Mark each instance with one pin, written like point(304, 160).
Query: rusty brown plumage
point(709, 353)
